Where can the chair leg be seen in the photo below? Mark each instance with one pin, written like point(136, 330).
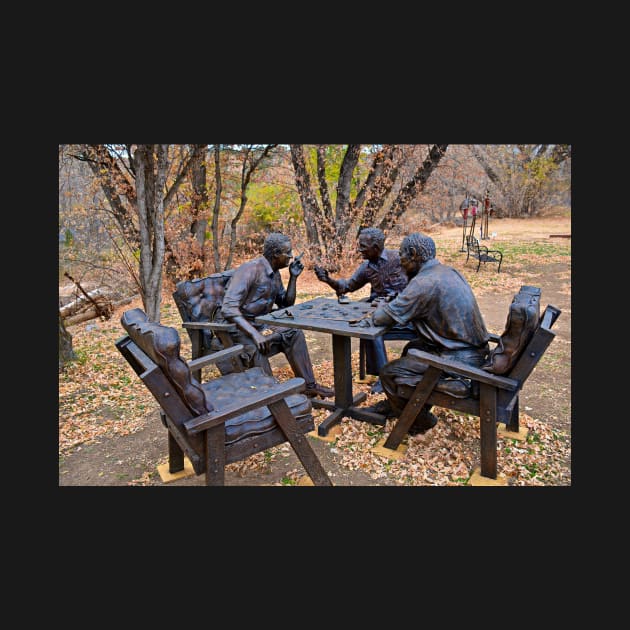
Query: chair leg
point(413, 407)
point(175, 455)
point(163, 419)
point(286, 421)
point(512, 424)
point(215, 456)
point(362, 360)
point(488, 430)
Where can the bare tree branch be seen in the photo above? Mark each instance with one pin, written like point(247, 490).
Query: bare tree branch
point(413, 187)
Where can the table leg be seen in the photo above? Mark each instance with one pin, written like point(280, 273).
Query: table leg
point(344, 400)
point(342, 369)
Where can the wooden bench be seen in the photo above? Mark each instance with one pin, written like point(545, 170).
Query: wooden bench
point(481, 253)
point(493, 389)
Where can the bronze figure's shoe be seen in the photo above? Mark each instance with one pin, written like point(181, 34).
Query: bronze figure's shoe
point(377, 387)
point(383, 408)
point(424, 423)
point(319, 390)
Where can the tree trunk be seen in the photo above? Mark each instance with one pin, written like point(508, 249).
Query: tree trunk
point(151, 164)
point(217, 208)
point(105, 310)
point(331, 236)
point(379, 182)
point(312, 213)
point(413, 187)
point(81, 302)
point(117, 176)
point(344, 211)
point(66, 353)
point(199, 200)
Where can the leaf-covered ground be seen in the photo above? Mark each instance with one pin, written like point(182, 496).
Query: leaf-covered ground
point(444, 456)
point(99, 396)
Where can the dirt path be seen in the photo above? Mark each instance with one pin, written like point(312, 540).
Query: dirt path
point(132, 459)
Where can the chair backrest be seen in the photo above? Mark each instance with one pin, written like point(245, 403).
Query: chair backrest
point(472, 242)
point(535, 348)
point(153, 351)
point(522, 321)
point(162, 345)
point(200, 300)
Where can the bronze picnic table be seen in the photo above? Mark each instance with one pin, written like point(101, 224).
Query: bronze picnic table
point(342, 321)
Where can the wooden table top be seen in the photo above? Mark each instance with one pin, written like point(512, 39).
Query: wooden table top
point(353, 319)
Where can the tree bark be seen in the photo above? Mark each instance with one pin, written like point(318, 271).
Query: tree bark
point(72, 307)
point(413, 187)
point(200, 195)
point(93, 312)
point(217, 208)
point(312, 214)
point(323, 184)
point(344, 214)
point(151, 164)
point(379, 182)
point(66, 353)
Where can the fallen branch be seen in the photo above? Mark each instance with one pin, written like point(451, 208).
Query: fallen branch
point(76, 305)
point(104, 311)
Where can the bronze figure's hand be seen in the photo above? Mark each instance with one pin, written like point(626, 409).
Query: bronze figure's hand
point(321, 273)
point(262, 342)
point(296, 267)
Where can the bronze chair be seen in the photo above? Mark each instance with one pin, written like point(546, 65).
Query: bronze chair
point(198, 302)
point(492, 392)
point(223, 420)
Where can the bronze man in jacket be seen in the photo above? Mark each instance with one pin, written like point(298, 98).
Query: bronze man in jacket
point(441, 306)
point(252, 291)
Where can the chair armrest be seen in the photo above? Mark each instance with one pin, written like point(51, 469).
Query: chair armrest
point(214, 418)
point(195, 364)
point(549, 316)
point(462, 369)
point(209, 326)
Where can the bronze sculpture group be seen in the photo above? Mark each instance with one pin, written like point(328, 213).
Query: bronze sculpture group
point(446, 362)
point(419, 295)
